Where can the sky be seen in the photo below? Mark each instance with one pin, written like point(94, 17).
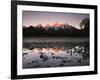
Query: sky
point(40, 17)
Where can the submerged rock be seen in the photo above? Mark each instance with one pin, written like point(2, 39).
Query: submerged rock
point(29, 63)
point(53, 57)
point(45, 58)
point(25, 54)
point(41, 56)
point(64, 61)
point(33, 61)
point(61, 64)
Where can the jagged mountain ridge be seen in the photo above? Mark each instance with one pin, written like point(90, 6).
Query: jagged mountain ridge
point(56, 26)
point(55, 30)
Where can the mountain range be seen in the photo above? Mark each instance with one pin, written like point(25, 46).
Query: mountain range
point(56, 26)
point(54, 30)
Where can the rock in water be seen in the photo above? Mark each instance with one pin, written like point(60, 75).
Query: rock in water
point(33, 61)
point(41, 56)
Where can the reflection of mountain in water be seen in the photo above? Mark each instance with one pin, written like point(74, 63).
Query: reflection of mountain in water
point(55, 52)
point(55, 57)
